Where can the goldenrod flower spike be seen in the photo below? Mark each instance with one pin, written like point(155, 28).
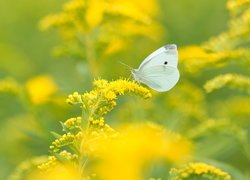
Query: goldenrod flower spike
point(197, 58)
point(238, 32)
point(81, 133)
point(199, 170)
point(231, 80)
point(89, 24)
point(101, 100)
point(73, 123)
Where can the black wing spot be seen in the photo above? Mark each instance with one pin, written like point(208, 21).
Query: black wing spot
point(165, 62)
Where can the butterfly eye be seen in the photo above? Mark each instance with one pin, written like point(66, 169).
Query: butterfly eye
point(165, 62)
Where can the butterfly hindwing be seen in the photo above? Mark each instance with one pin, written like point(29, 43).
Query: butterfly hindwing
point(161, 78)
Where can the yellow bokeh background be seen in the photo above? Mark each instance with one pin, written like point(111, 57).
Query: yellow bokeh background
point(51, 53)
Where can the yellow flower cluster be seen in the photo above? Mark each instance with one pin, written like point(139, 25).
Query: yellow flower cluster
point(122, 86)
point(65, 140)
point(68, 156)
point(101, 100)
point(80, 20)
point(243, 21)
point(235, 5)
point(58, 172)
point(52, 161)
point(82, 139)
point(98, 122)
point(231, 80)
point(132, 142)
point(238, 32)
point(199, 170)
point(73, 123)
point(196, 58)
point(74, 98)
point(98, 133)
point(23, 169)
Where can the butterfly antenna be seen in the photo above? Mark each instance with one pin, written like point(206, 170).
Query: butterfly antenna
point(130, 68)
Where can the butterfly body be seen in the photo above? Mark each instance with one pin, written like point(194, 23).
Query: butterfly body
point(159, 70)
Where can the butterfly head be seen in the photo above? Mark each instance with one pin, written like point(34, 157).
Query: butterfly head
point(171, 46)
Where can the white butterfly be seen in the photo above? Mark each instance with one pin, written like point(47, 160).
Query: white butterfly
point(159, 70)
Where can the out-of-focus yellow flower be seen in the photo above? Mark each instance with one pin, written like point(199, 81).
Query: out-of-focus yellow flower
point(126, 155)
point(196, 58)
point(235, 5)
point(24, 169)
point(199, 170)
point(94, 13)
point(40, 88)
point(231, 80)
point(238, 32)
point(103, 27)
point(58, 172)
point(114, 46)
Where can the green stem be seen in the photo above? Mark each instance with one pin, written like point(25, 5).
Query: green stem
point(91, 55)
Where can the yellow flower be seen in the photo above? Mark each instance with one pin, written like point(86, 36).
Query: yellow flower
point(239, 30)
point(73, 123)
point(109, 23)
point(58, 172)
point(95, 12)
point(25, 168)
point(196, 58)
point(235, 5)
point(201, 170)
point(65, 140)
point(114, 46)
point(51, 162)
point(231, 80)
point(101, 100)
point(40, 88)
point(126, 155)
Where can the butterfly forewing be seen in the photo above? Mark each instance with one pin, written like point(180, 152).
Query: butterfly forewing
point(166, 55)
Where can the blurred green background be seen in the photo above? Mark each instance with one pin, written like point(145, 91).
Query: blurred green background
point(25, 52)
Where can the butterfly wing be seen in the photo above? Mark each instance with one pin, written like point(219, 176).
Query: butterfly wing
point(160, 78)
point(165, 55)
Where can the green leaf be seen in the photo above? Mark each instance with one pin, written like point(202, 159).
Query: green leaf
point(56, 135)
